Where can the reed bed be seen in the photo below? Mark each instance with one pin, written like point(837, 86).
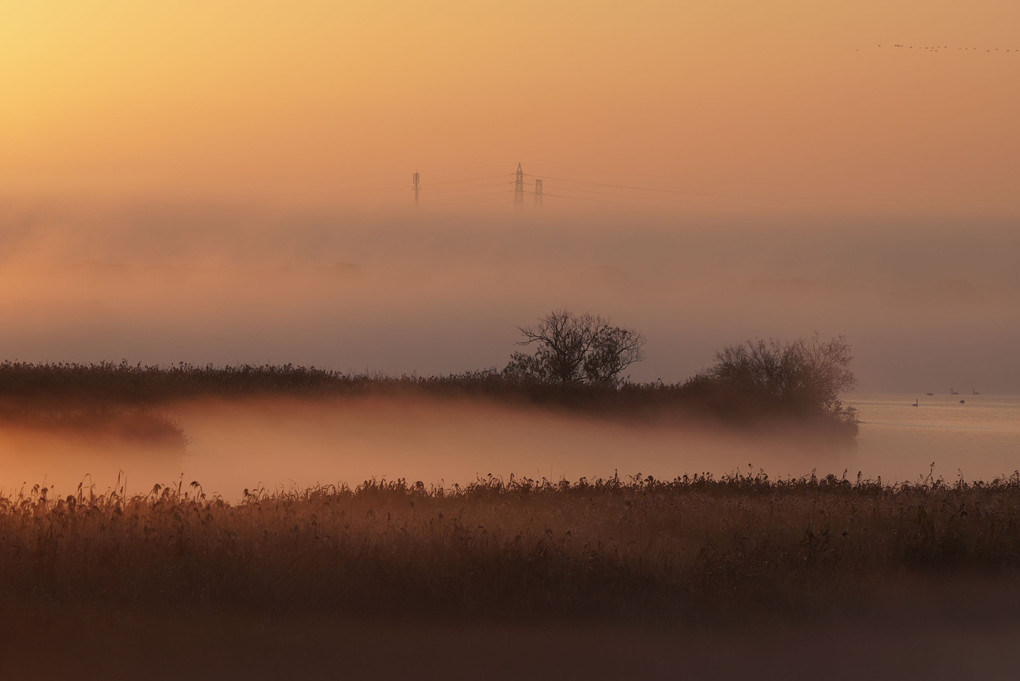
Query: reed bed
point(691, 551)
point(136, 392)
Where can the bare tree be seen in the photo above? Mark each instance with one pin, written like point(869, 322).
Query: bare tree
point(804, 375)
point(575, 349)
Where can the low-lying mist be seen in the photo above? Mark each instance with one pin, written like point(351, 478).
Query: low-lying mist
point(275, 444)
point(924, 303)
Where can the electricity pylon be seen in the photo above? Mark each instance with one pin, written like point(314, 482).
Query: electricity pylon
point(417, 181)
point(519, 187)
point(538, 192)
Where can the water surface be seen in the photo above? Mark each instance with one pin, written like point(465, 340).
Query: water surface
point(294, 445)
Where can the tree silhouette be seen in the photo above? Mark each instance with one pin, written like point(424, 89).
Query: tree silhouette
point(802, 376)
point(575, 349)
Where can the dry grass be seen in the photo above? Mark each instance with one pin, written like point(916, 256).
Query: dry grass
point(692, 551)
point(123, 396)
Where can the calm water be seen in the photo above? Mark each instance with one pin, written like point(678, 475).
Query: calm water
point(291, 445)
point(976, 436)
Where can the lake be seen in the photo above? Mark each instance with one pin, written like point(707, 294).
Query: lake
point(976, 436)
point(294, 445)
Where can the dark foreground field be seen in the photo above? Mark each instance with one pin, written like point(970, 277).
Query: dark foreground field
point(693, 578)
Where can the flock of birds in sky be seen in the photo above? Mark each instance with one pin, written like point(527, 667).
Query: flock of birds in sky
point(946, 48)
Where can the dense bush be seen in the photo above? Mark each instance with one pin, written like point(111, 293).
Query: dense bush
point(800, 379)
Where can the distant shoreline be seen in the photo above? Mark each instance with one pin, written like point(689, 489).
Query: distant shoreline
point(65, 395)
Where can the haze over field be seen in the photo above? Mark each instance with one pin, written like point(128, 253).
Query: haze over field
point(231, 182)
point(927, 304)
point(190, 188)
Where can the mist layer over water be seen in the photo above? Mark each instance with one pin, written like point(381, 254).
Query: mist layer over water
point(974, 437)
point(294, 445)
point(925, 303)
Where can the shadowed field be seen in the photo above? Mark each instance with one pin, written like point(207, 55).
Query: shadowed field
point(666, 570)
point(695, 577)
point(693, 551)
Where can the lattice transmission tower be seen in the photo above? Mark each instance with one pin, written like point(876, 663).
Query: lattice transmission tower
point(519, 186)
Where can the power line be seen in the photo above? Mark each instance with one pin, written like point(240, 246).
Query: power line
point(632, 194)
point(677, 192)
point(468, 179)
point(638, 197)
point(478, 198)
point(585, 198)
point(744, 197)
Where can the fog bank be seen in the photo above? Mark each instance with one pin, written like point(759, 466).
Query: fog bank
point(925, 303)
point(287, 444)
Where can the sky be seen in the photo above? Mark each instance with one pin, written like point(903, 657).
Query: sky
point(231, 181)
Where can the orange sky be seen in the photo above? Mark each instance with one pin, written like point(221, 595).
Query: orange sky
point(338, 102)
point(229, 181)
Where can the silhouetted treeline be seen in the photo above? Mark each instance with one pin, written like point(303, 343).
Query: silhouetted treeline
point(125, 383)
point(98, 388)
